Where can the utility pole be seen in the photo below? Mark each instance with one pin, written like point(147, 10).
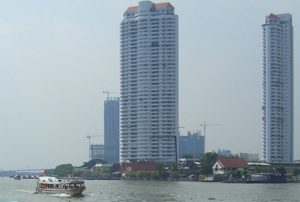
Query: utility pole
point(204, 131)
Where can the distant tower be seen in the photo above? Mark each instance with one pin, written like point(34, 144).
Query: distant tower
point(111, 130)
point(192, 144)
point(149, 83)
point(278, 89)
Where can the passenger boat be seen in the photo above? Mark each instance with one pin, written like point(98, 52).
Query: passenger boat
point(52, 185)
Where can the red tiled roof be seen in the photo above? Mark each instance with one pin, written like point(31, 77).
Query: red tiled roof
point(132, 9)
point(157, 6)
point(233, 163)
point(272, 16)
point(163, 5)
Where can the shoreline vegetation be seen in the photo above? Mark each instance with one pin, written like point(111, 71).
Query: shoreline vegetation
point(202, 171)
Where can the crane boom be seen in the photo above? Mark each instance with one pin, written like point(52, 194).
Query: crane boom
point(89, 137)
point(108, 92)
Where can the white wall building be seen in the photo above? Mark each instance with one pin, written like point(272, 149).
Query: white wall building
point(149, 83)
point(278, 101)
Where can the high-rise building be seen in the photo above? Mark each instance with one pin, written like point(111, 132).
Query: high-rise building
point(191, 144)
point(96, 151)
point(278, 92)
point(111, 130)
point(149, 83)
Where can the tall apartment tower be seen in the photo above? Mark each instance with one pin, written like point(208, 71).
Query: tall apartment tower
point(278, 84)
point(149, 83)
point(111, 130)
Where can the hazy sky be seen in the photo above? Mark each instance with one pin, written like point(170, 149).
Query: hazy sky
point(56, 58)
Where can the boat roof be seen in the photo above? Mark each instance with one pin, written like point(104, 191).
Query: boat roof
point(54, 180)
point(48, 179)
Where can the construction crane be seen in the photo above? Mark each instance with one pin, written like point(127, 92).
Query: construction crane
point(108, 92)
point(89, 137)
point(204, 130)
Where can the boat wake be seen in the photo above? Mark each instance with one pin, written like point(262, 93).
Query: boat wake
point(24, 191)
point(8, 201)
point(61, 195)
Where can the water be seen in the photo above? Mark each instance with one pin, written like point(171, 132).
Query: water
point(153, 191)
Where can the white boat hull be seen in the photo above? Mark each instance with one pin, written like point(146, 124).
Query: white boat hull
point(71, 192)
point(52, 185)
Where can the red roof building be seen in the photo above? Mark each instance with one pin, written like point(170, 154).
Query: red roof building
point(225, 165)
point(129, 167)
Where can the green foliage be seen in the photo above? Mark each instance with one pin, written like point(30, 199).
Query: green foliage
point(218, 177)
point(244, 172)
point(63, 170)
point(237, 173)
point(92, 163)
point(78, 173)
point(207, 162)
point(49, 172)
point(175, 175)
point(132, 175)
point(263, 169)
point(160, 167)
point(115, 168)
point(141, 174)
point(201, 177)
point(173, 166)
point(296, 171)
point(281, 170)
point(157, 175)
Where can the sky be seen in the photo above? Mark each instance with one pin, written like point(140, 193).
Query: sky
point(57, 57)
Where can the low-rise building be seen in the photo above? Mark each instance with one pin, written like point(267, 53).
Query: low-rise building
point(189, 163)
point(129, 167)
point(226, 165)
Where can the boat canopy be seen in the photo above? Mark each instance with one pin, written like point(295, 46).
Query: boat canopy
point(48, 179)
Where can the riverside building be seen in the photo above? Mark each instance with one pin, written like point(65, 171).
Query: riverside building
point(278, 92)
point(149, 83)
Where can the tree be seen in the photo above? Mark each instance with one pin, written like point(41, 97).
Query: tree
point(161, 172)
point(49, 172)
point(175, 175)
point(115, 168)
point(296, 171)
point(63, 170)
point(132, 175)
point(281, 170)
point(141, 174)
point(92, 163)
point(207, 162)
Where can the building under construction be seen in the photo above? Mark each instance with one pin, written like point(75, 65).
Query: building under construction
point(191, 144)
point(97, 151)
point(111, 130)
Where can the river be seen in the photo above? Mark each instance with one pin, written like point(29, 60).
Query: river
point(153, 191)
